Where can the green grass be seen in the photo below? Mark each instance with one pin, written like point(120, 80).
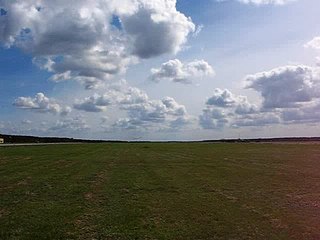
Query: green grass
point(160, 191)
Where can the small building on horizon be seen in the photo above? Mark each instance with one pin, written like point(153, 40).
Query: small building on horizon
point(1, 140)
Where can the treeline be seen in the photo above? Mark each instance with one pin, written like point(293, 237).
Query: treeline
point(31, 139)
point(16, 139)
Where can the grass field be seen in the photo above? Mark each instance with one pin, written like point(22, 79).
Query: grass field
point(160, 191)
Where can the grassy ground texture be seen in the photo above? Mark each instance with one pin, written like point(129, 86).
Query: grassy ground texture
point(160, 191)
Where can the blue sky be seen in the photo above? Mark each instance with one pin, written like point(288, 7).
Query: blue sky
point(161, 69)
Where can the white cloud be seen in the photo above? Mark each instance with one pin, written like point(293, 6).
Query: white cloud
point(127, 124)
point(70, 125)
point(157, 113)
point(117, 94)
point(180, 122)
point(226, 99)
point(213, 118)
point(96, 103)
point(225, 109)
point(173, 107)
point(222, 107)
point(226, 117)
point(132, 95)
point(198, 30)
point(314, 43)
point(257, 120)
point(41, 103)
point(26, 122)
point(154, 114)
point(287, 86)
point(290, 95)
point(157, 27)
point(76, 40)
point(306, 114)
point(75, 37)
point(141, 111)
point(176, 71)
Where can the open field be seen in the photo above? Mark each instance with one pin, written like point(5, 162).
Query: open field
point(160, 191)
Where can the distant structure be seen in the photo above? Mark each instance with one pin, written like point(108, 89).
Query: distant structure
point(1, 141)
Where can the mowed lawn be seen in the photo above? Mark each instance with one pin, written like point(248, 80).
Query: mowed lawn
point(160, 191)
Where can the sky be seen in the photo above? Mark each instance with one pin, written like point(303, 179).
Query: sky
point(160, 69)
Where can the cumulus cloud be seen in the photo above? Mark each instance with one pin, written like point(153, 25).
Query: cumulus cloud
point(176, 71)
point(213, 118)
point(154, 114)
point(314, 43)
point(287, 86)
point(222, 98)
point(155, 111)
point(306, 114)
point(180, 121)
point(127, 124)
point(157, 27)
point(141, 111)
point(223, 107)
point(26, 122)
point(120, 94)
point(41, 103)
point(198, 30)
point(219, 118)
point(70, 125)
point(117, 94)
point(257, 120)
point(76, 40)
point(96, 103)
point(53, 28)
point(131, 95)
point(226, 99)
point(290, 95)
point(173, 107)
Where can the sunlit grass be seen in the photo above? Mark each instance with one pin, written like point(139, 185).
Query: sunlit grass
point(160, 191)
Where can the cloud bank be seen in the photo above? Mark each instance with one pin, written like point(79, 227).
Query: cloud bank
point(289, 95)
point(141, 111)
